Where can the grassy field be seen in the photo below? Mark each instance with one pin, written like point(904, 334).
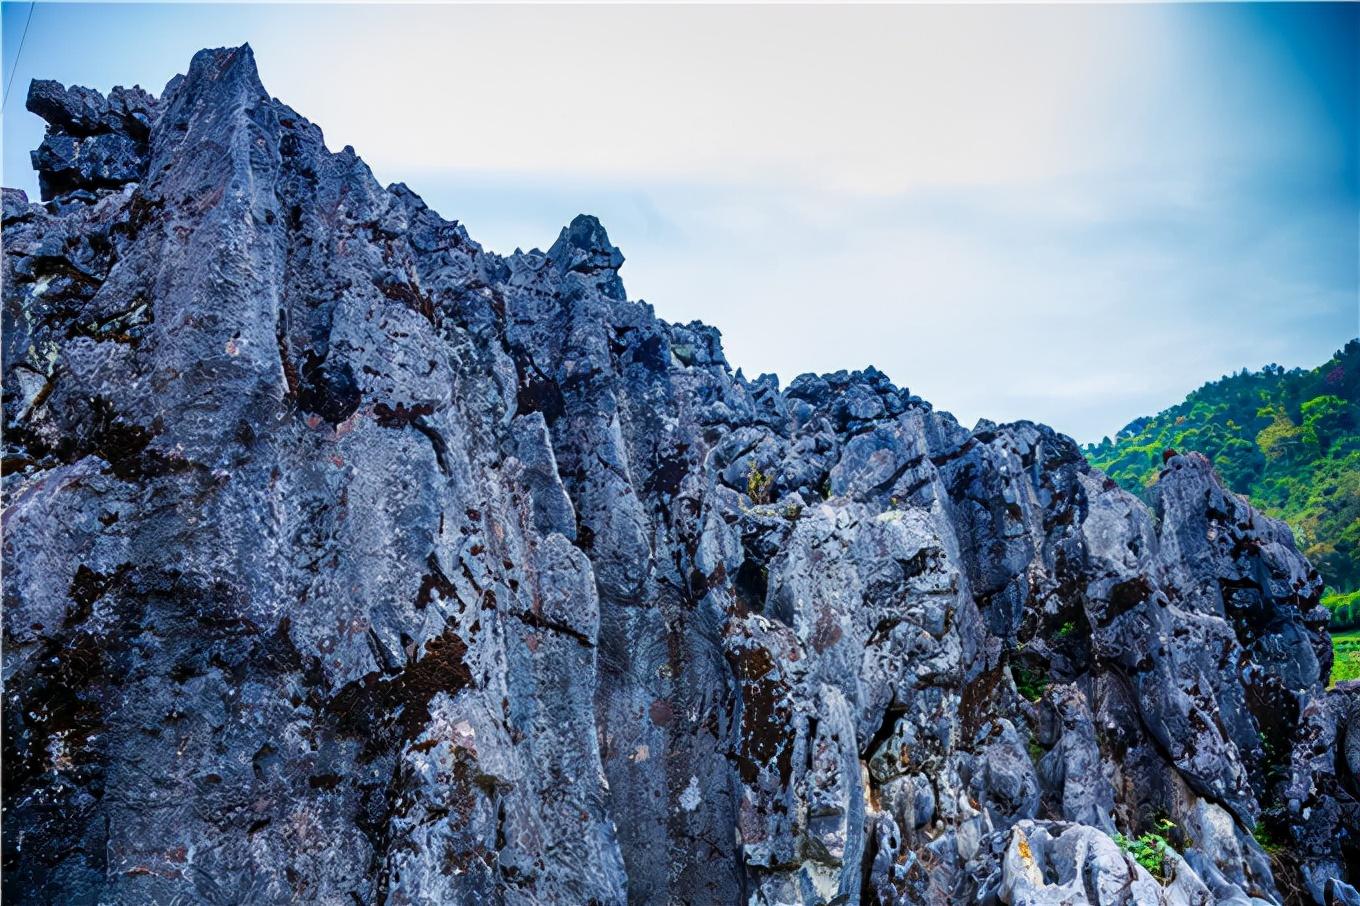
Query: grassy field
point(1346, 648)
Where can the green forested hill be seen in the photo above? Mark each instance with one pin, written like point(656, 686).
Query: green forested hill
point(1288, 440)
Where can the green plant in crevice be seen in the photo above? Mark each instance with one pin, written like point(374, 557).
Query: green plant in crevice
point(1265, 836)
point(1150, 850)
point(1029, 683)
point(758, 484)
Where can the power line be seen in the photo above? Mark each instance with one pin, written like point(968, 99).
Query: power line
point(18, 54)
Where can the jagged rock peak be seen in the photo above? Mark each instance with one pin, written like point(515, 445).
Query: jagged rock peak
point(348, 562)
point(584, 248)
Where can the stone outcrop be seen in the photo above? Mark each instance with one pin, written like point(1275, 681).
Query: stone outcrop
point(347, 562)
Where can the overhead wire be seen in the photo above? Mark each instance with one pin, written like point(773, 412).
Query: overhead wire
point(19, 53)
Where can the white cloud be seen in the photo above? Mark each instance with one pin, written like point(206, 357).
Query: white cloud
point(867, 100)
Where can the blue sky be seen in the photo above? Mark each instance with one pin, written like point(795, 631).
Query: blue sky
point(1069, 214)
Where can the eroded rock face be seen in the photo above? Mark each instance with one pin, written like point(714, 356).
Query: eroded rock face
point(346, 562)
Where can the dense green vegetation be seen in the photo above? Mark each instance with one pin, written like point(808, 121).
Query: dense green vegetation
point(1288, 440)
point(1346, 655)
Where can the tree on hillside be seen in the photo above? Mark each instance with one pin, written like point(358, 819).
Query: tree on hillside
point(1287, 439)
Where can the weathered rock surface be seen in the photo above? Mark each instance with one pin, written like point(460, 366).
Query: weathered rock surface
point(346, 562)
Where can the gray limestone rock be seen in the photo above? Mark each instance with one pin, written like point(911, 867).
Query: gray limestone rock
point(348, 562)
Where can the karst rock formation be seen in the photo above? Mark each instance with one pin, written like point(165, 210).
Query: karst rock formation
point(346, 562)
